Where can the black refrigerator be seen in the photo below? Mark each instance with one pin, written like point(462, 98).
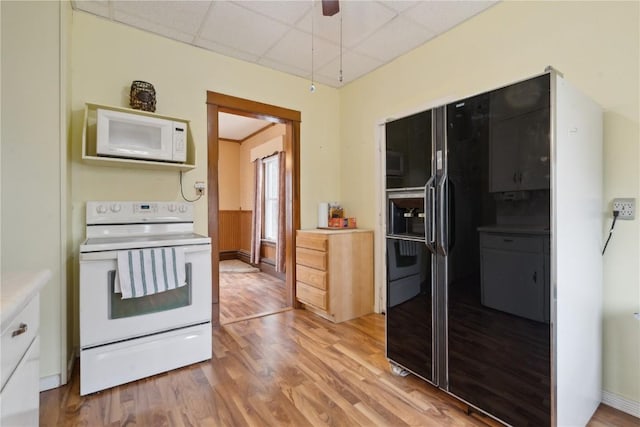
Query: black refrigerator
point(468, 228)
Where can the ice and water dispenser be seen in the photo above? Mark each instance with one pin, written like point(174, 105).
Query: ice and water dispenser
point(406, 216)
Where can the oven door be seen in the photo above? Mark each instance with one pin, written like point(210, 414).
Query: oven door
point(105, 317)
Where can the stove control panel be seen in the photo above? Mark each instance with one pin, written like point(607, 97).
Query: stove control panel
point(126, 212)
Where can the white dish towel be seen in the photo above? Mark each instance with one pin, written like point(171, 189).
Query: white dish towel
point(144, 272)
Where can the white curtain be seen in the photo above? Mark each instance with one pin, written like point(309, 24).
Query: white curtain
point(281, 252)
point(256, 226)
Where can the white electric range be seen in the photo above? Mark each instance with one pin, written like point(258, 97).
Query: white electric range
point(125, 339)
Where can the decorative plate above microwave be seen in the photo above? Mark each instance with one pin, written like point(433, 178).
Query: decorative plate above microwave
point(115, 136)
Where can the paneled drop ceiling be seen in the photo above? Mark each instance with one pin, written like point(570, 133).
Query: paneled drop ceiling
point(277, 34)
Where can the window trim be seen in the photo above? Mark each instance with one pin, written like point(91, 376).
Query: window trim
point(272, 162)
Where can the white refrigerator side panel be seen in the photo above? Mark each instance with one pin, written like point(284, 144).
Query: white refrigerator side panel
point(577, 245)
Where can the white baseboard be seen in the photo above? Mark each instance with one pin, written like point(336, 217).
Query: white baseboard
point(631, 407)
point(52, 381)
point(55, 381)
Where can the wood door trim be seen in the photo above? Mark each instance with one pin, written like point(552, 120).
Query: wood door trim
point(217, 102)
point(241, 106)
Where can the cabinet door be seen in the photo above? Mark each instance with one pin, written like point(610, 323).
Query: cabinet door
point(503, 160)
point(520, 152)
point(520, 98)
point(513, 282)
point(534, 150)
point(519, 136)
point(20, 398)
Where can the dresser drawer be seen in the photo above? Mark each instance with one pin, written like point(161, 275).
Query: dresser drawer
point(17, 337)
point(311, 276)
point(310, 295)
point(511, 242)
point(311, 241)
point(311, 258)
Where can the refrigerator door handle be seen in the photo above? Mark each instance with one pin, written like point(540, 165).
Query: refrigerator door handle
point(430, 214)
point(443, 240)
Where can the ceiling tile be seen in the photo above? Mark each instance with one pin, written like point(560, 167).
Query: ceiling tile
point(153, 27)
point(226, 50)
point(439, 16)
point(240, 28)
point(183, 16)
point(331, 82)
point(288, 12)
point(295, 49)
point(97, 7)
point(354, 65)
point(394, 39)
point(289, 69)
point(398, 5)
point(359, 20)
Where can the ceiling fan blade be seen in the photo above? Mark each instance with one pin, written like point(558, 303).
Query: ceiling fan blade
point(330, 7)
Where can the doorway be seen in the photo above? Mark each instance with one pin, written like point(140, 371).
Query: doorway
point(220, 103)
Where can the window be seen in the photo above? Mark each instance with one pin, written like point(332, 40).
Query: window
point(270, 226)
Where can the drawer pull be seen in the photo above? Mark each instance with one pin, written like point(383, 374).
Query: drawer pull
point(21, 330)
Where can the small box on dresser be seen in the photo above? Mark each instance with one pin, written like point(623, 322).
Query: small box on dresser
point(334, 272)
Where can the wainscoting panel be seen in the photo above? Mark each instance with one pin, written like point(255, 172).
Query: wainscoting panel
point(245, 231)
point(235, 230)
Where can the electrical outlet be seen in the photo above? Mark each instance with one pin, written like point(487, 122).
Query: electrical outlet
point(625, 207)
point(199, 186)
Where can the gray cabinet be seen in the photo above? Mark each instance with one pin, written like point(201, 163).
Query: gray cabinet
point(519, 138)
point(514, 274)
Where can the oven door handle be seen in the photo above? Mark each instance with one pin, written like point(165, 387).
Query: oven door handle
point(106, 255)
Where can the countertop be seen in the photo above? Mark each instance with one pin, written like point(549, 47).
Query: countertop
point(16, 290)
point(335, 230)
point(516, 229)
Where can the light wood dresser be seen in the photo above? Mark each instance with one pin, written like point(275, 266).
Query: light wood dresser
point(334, 272)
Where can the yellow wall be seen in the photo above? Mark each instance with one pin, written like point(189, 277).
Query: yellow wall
point(229, 176)
point(595, 45)
point(246, 164)
point(235, 164)
point(33, 163)
point(107, 56)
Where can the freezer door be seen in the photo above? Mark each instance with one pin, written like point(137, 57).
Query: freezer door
point(409, 299)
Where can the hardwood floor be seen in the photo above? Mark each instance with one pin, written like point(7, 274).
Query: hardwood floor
point(246, 295)
point(292, 368)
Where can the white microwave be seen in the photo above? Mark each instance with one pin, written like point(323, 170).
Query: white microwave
point(138, 136)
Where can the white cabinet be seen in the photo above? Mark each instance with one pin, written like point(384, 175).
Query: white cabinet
point(20, 397)
point(514, 273)
point(519, 138)
point(20, 347)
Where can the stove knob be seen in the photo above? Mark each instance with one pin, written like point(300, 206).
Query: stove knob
point(101, 209)
point(171, 207)
point(115, 207)
point(182, 208)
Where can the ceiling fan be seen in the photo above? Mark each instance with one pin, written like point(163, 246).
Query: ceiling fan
point(330, 7)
